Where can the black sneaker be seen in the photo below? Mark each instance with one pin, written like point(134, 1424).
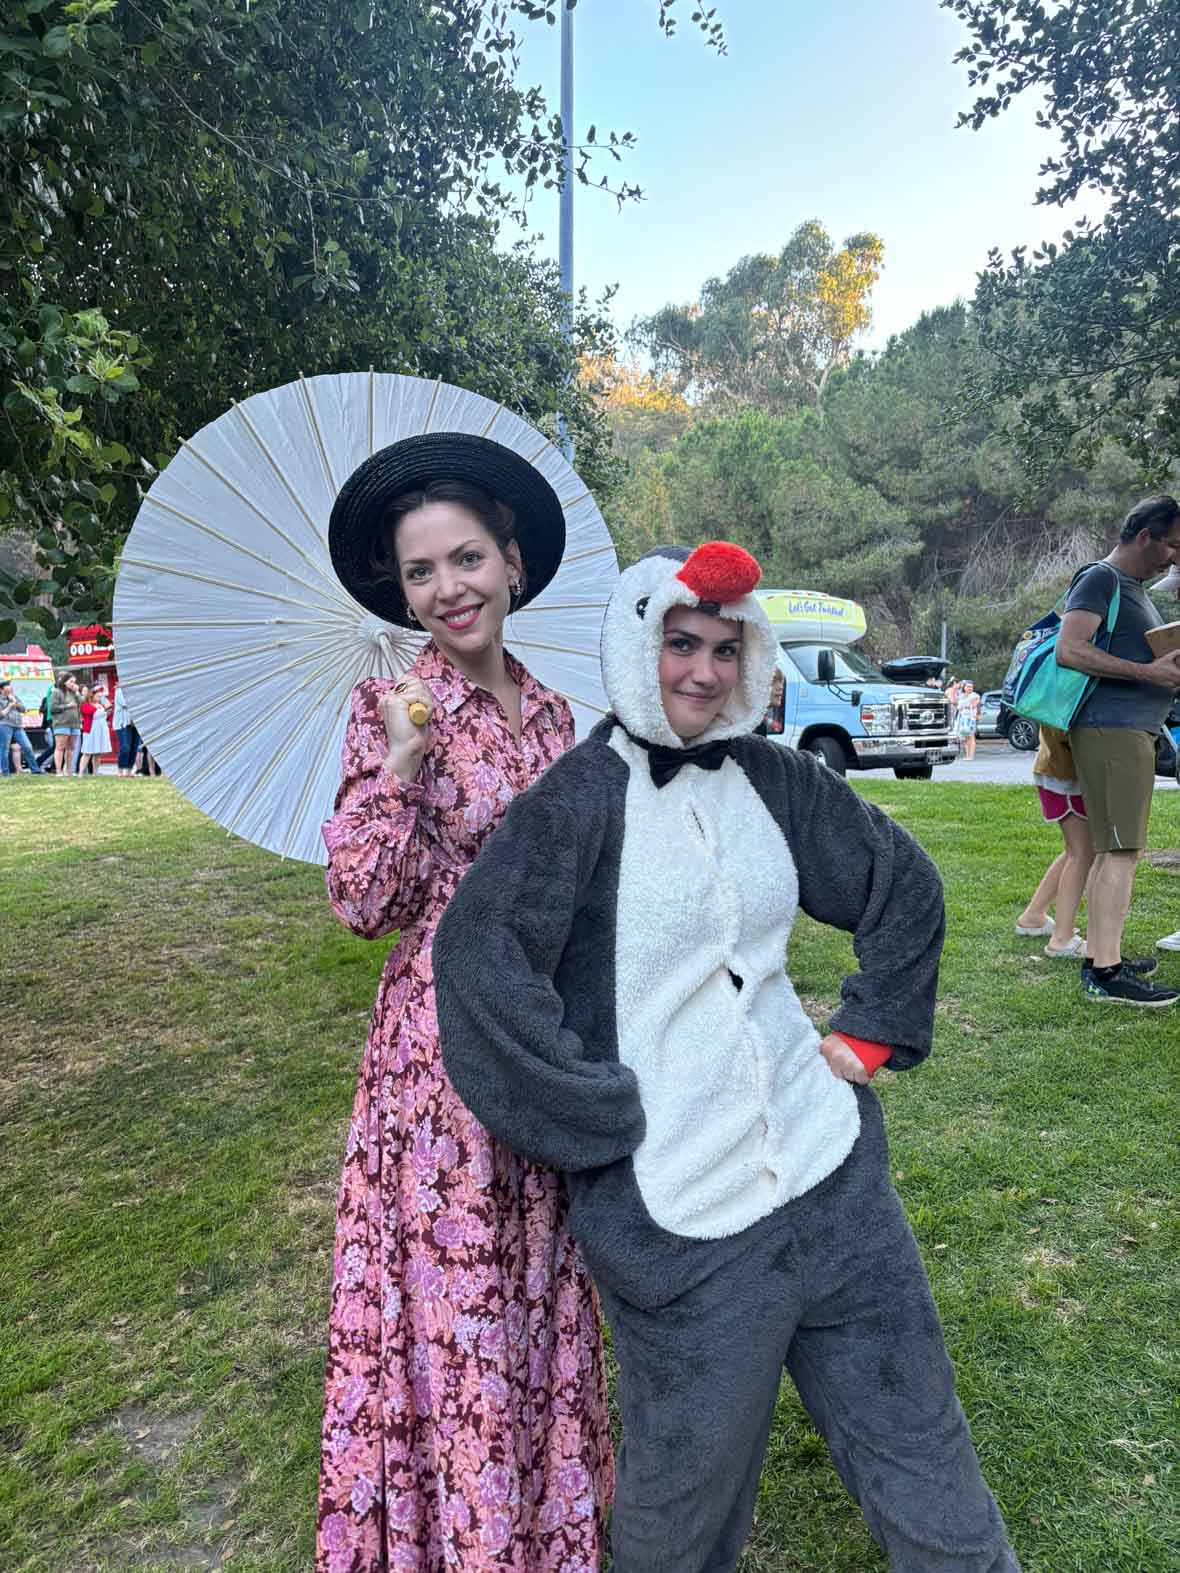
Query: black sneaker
point(1125, 988)
point(1141, 966)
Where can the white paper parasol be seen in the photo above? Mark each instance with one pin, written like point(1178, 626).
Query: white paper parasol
point(237, 645)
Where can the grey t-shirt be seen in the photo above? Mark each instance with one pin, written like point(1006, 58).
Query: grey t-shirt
point(1114, 701)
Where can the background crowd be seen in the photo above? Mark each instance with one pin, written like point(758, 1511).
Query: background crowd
point(80, 726)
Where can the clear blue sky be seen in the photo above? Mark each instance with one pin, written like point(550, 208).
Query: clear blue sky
point(843, 111)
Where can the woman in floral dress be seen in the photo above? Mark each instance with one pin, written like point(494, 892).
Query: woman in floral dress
point(465, 1421)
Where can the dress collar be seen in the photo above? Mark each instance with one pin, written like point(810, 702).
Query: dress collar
point(451, 688)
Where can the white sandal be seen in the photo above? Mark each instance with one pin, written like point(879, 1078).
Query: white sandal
point(1045, 928)
point(1075, 948)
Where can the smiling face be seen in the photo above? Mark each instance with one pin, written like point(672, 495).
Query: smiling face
point(700, 666)
point(455, 578)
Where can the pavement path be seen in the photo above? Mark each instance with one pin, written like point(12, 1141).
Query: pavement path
point(994, 762)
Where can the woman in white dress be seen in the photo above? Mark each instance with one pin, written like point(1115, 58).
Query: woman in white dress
point(96, 740)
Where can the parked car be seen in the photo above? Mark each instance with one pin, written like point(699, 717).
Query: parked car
point(1016, 730)
point(988, 721)
point(1167, 746)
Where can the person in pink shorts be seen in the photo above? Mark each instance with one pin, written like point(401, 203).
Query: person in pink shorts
point(1064, 881)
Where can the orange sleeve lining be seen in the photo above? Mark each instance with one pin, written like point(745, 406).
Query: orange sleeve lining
point(871, 1055)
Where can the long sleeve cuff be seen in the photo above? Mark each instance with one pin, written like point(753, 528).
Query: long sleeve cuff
point(871, 1055)
point(379, 796)
point(404, 794)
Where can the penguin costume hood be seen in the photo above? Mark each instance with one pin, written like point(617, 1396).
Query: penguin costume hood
point(718, 578)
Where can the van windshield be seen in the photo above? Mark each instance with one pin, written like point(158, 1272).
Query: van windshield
point(851, 666)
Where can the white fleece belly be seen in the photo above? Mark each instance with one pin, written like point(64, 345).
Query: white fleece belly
point(742, 1112)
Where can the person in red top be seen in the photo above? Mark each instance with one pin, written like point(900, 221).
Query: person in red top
point(86, 709)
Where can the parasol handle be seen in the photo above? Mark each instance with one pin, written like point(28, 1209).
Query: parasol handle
point(418, 713)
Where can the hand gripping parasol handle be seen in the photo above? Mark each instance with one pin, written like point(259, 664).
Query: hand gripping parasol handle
point(418, 712)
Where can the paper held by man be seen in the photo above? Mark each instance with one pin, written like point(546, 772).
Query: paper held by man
point(1164, 639)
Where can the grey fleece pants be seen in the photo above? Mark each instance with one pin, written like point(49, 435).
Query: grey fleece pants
point(832, 1287)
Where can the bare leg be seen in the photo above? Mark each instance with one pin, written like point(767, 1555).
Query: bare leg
point(1079, 855)
point(1110, 898)
point(1044, 896)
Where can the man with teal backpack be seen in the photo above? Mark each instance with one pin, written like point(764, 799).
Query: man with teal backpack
point(1114, 729)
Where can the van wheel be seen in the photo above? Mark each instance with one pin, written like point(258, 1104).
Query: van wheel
point(913, 772)
point(828, 751)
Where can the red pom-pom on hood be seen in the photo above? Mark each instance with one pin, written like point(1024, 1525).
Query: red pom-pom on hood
point(721, 572)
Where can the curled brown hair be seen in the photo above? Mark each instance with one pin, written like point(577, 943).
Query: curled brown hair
point(496, 517)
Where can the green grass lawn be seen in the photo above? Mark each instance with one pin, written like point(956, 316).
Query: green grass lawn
point(183, 1021)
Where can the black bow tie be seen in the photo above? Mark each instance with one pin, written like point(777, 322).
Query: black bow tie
point(665, 762)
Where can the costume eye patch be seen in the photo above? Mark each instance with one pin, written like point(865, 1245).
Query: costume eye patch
point(641, 606)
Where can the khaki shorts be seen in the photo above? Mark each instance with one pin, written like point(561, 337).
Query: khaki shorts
point(1116, 768)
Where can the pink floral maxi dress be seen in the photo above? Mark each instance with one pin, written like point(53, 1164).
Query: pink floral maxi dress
point(465, 1415)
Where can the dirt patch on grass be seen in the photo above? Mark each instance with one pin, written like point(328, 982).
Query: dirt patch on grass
point(157, 1439)
point(819, 1011)
point(212, 1514)
point(1042, 1292)
point(1049, 1261)
point(121, 1552)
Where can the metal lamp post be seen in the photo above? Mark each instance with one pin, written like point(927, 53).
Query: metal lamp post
point(566, 227)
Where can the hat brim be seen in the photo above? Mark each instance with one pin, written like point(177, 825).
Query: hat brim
point(354, 529)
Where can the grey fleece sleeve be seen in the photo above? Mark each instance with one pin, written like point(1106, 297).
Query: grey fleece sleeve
point(861, 872)
point(510, 1057)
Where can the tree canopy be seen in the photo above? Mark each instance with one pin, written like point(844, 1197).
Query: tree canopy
point(774, 329)
point(200, 199)
point(1082, 338)
point(918, 517)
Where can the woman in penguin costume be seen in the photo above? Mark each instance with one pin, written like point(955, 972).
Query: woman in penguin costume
point(612, 1001)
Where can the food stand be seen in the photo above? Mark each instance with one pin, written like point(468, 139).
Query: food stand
point(31, 676)
point(92, 647)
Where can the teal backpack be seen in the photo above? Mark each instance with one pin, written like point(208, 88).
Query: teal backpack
point(1047, 693)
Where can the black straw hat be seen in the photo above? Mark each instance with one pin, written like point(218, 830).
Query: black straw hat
point(354, 529)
